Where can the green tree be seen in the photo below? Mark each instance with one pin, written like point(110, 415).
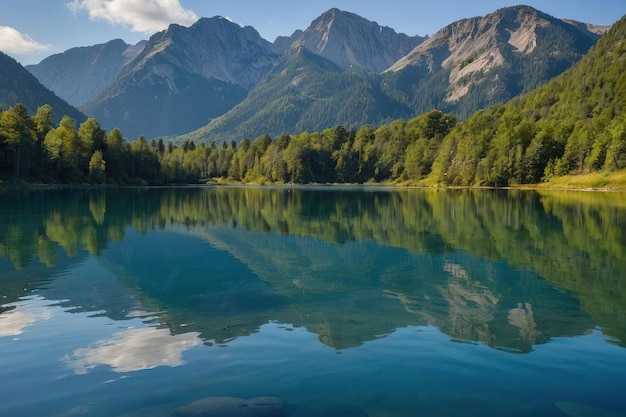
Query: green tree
point(18, 134)
point(64, 148)
point(297, 157)
point(44, 123)
point(97, 165)
point(115, 153)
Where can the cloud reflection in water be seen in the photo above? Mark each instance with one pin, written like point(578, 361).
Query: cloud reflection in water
point(134, 349)
point(13, 323)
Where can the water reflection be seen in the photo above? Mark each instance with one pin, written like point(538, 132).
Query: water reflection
point(14, 321)
point(508, 269)
point(133, 349)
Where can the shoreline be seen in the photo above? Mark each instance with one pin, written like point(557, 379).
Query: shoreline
point(525, 187)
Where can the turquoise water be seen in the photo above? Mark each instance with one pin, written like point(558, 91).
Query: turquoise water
point(338, 302)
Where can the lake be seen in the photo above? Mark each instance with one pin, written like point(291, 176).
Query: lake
point(319, 301)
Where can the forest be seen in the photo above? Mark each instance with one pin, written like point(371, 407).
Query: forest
point(496, 147)
point(575, 124)
point(34, 151)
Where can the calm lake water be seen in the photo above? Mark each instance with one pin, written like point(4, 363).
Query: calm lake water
point(324, 301)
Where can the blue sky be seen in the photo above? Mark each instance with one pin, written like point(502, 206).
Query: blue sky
point(31, 30)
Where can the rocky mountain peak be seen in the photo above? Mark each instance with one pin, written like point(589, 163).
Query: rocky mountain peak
point(213, 48)
point(470, 48)
point(352, 41)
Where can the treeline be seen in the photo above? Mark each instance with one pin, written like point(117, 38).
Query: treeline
point(33, 150)
point(496, 147)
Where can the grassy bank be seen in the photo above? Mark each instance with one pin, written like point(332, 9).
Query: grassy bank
point(594, 181)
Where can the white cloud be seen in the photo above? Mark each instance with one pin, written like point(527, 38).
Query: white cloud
point(134, 350)
point(146, 16)
point(14, 42)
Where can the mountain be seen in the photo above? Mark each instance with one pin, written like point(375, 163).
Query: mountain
point(476, 62)
point(283, 43)
point(588, 28)
point(222, 81)
point(303, 92)
point(470, 64)
point(572, 125)
point(351, 41)
point(17, 85)
point(80, 74)
point(183, 78)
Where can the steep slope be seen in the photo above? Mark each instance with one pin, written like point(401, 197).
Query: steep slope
point(183, 78)
point(80, 74)
point(572, 125)
point(303, 92)
point(466, 66)
point(476, 62)
point(283, 43)
point(17, 85)
point(350, 41)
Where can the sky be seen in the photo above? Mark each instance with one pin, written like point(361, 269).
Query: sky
point(31, 30)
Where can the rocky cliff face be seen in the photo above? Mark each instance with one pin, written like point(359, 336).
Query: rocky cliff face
point(473, 50)
point(80, 74)
point(351, 41)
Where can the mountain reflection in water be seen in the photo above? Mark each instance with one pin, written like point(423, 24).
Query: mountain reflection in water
point(508, 269)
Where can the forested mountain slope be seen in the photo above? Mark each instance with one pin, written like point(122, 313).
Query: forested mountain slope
point(303, 92)
point(574, 124)
point(17, 85)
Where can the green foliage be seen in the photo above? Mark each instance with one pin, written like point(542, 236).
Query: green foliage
point(97, 167)
point(17, 133)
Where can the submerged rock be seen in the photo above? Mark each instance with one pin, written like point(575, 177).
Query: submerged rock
point(232, 407)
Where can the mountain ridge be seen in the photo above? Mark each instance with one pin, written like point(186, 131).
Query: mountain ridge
point(350, 41)
point(469, 64)
point(185, 79)
point(80, 74)
point(492, 58)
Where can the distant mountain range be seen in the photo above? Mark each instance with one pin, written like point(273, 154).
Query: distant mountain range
point(80, 74)
point(224, 82)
